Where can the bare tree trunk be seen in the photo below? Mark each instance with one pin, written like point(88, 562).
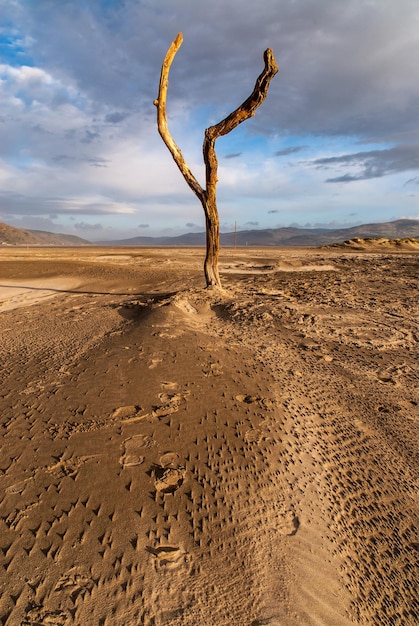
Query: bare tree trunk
point(212, 276)
point(207, 196)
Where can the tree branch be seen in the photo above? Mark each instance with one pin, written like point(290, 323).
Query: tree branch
point(241, 114)
point(162, 126)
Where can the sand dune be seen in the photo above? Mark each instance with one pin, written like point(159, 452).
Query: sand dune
point(178, 456)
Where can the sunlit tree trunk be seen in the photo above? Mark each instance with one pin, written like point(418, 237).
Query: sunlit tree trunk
point(208, 196)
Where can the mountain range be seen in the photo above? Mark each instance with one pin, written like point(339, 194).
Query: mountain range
point(282, 237)
point(290, 236)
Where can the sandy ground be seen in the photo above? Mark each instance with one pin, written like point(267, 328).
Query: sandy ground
point(172, 455)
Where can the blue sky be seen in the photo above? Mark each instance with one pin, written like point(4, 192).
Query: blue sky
point(336, 142)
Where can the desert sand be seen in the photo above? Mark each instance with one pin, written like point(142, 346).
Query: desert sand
point(172, 455)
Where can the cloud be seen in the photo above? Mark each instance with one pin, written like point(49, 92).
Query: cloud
point(251, 223)
point(373, 163)
point(90, 136)
point(288, 151)
point(86, 226)
point(97, 161)
point(93, 161)
point(326, 83)
point(12, 203)
point(78, 128)
point(193, 225)
point(116, 117)
point(143, 225)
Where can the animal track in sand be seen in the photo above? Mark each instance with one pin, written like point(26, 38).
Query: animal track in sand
point(132, 450)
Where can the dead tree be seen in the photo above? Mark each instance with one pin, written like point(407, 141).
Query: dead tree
point(207, 196)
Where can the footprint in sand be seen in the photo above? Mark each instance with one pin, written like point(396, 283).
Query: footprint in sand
point(17, 515)
point(37, 616)
point(213, 369)
point(254, 435)
point(168, 479)
point(133, 450)
point(69, 467)
point(170, 459)
point(18, 487)
point(168, 557)
point(126, 412)
point(153, 363)
point(248, 399)
point(171, 404)
point(260, 402)
point(74, 583)
point(287, 523)
point(170, 386)
point(268, 621)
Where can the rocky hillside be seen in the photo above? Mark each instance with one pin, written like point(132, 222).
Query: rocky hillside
point(10, 236)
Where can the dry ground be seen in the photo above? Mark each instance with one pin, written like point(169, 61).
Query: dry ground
point(176, 456)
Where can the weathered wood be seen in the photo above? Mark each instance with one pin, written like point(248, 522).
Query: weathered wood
point(162, 126)
point(208, 196)
point(242, 113)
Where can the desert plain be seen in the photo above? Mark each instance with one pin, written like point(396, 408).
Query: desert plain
point(173, 455)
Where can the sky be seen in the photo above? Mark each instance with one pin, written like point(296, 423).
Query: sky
point(335, 144)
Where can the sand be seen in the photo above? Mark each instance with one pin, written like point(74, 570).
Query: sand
point(179, 456)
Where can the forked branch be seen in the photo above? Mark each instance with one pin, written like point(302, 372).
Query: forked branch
point(207, 196)
point(241, 114)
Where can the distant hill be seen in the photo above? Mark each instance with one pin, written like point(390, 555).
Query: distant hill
point(10, 236)
point(310, 237)
point(297, 237)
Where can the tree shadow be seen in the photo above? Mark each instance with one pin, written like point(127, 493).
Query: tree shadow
point(74, 291)
point(137, 305)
